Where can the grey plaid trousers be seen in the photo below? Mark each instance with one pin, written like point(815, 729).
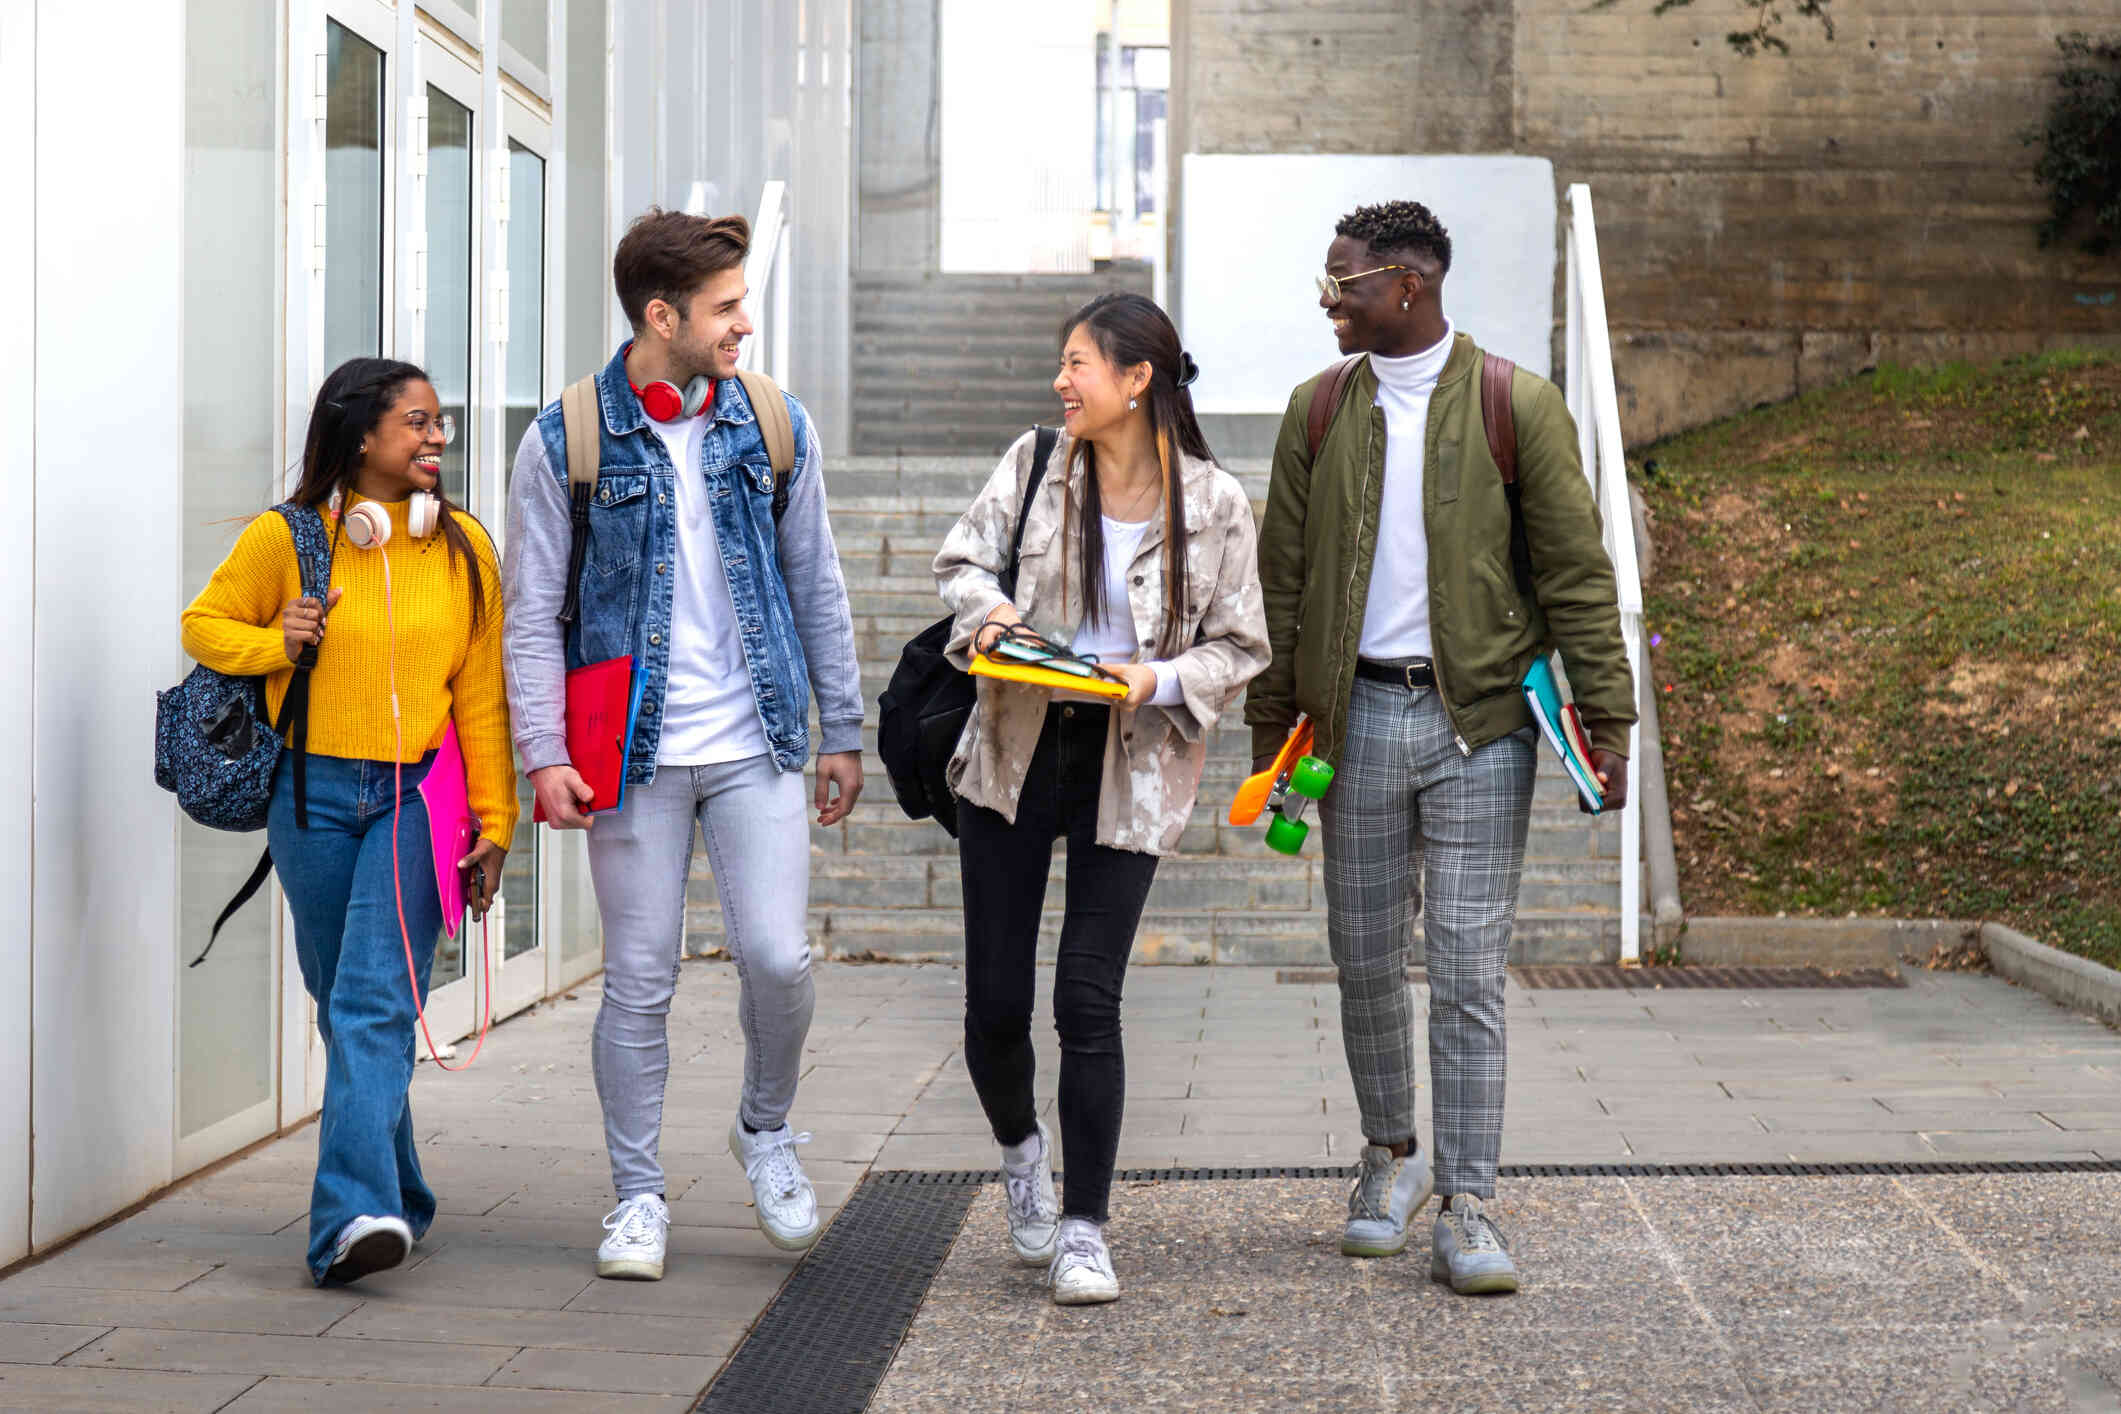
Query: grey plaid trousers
point(1411, 822)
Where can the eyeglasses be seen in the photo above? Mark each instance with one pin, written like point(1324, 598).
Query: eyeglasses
point(417, 421)
point(1329, 285)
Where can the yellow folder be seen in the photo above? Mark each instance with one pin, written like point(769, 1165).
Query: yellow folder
point(1006, 671)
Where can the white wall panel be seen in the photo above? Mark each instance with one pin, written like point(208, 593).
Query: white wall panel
point(109, 483)
point(1256, 229)
point(18, 441)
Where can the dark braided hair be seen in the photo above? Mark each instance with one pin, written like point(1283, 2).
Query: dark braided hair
point(1399, 226)
point(349, 406)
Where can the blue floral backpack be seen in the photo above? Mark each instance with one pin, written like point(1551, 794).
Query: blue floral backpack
point(214, 743)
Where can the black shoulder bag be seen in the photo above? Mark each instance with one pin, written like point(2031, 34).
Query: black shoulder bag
point(922, 713)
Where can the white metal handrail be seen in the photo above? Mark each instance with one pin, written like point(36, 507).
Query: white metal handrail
point(1596, 407)
point(766, 273)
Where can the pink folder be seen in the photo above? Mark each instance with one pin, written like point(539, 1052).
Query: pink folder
point(450, 823)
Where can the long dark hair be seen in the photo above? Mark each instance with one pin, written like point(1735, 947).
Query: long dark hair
point(1129, 329)
point(349, 406)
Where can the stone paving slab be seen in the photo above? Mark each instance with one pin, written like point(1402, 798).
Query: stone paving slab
point(1797, 1293)
point(1226, 1066)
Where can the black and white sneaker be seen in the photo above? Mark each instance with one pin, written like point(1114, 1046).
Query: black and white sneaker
point(368, 1245)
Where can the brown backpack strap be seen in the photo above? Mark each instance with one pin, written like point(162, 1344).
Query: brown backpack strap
point(1325, 401)
point(771, 409)
point(1496, 413)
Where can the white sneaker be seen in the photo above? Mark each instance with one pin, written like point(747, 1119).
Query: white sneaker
point(640, 1235)
point(1082, 1273)
point(368, 1245)
point(1034, 1213)
point(780, 1194)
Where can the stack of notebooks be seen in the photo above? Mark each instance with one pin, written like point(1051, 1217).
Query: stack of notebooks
point(1563, 729)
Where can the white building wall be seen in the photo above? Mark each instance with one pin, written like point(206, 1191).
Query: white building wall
point(18, 367)
point(109, 477)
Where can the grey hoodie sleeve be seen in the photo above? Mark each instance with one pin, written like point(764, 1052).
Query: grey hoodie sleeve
point(533, 584)
point(817, 593)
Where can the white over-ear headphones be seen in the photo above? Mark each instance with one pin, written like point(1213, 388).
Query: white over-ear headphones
point(368, 524)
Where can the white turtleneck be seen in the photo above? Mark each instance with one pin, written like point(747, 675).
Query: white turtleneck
point(1395, 621)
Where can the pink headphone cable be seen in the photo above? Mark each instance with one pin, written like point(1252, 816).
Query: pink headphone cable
point(412, 972)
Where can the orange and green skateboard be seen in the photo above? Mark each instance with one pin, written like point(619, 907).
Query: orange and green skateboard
point(1295, 773)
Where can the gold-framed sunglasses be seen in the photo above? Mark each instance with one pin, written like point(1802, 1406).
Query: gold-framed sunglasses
point(1329, 285)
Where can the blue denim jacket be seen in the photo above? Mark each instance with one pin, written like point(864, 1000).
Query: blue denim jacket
point(785, 581)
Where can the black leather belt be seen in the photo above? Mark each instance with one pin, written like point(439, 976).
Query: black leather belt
point(1412, 675)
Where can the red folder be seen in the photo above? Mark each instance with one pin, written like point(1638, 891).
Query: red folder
point(601, 701)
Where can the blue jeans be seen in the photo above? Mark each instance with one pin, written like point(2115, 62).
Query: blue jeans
point(337, 874)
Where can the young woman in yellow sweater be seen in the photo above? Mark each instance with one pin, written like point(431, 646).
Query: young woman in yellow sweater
point(375, 440)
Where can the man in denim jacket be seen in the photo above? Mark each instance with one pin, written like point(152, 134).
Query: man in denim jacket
point(731, 617)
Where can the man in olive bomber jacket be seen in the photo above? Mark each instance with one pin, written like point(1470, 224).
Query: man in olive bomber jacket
point(1398, 625)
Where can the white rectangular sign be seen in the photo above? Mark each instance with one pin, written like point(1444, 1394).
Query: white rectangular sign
point(1255, 234)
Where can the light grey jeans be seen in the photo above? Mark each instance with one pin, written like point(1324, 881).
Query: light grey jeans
point(754, 819)
point(1411, 824)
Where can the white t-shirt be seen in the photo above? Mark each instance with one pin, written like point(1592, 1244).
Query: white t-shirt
point(1111, 638)
point(1395, 620)
point(710, 713)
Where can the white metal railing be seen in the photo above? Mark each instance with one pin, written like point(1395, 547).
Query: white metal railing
point(1596, 407)
point(766, 273)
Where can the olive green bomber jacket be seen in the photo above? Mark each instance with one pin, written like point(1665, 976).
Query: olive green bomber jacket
point(1319, 538)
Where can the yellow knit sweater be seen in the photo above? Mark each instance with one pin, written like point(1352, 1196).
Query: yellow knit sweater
point(443, 668)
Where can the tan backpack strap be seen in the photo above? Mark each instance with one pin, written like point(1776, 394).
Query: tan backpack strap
point(1325, 401)
point(1500, 419)
point(583, 415)
point(771, 409)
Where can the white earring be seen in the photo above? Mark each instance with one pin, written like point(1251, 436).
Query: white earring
point(1404, 305)
point(1132, 404)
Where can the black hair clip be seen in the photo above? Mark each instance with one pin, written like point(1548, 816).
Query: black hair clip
point(1188, 370)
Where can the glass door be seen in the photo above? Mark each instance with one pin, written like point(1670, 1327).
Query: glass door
point(444, 300)
point(518, 389)
point(343, 175)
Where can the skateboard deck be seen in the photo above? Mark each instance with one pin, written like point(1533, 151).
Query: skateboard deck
point(1258, 789)
point(1003, 670)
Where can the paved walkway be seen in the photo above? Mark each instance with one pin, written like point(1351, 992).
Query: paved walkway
point(200, 1301)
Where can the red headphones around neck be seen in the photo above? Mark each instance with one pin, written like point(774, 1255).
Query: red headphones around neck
point(662, 401)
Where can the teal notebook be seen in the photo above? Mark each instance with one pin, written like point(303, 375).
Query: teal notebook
point(1563, 729)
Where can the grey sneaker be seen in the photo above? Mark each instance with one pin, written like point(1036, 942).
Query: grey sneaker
point(1082, 1266)
point(1469, 1254)
point(1034, 1213)
point(1388, 1193)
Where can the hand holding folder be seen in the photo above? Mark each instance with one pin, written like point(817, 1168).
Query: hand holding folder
point(603, 700)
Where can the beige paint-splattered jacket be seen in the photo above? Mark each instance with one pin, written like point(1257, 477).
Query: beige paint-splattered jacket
point(1154, 755)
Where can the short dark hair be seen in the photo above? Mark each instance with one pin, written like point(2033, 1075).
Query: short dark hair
point(1399, 226)
point(665, 255)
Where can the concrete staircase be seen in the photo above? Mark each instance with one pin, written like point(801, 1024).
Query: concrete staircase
point(887, 887)
point(961, 363)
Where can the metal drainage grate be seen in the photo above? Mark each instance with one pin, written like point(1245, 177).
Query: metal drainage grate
point(1559, 976)
point(827, 1340)
point(972, 1178)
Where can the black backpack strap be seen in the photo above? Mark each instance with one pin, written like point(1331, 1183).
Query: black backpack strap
point(313, 554)
point(250, 887)
point(1041, 452)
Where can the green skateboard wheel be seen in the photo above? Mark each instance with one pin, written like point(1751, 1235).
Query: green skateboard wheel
point(1311, 778)
point(1284, 835)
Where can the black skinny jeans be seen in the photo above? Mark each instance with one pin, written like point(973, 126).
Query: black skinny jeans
point(1004, 869)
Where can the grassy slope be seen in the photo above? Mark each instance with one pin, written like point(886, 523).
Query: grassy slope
point(1889, 680)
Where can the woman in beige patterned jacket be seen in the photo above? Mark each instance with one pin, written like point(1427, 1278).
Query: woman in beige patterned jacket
point(1138, 549)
